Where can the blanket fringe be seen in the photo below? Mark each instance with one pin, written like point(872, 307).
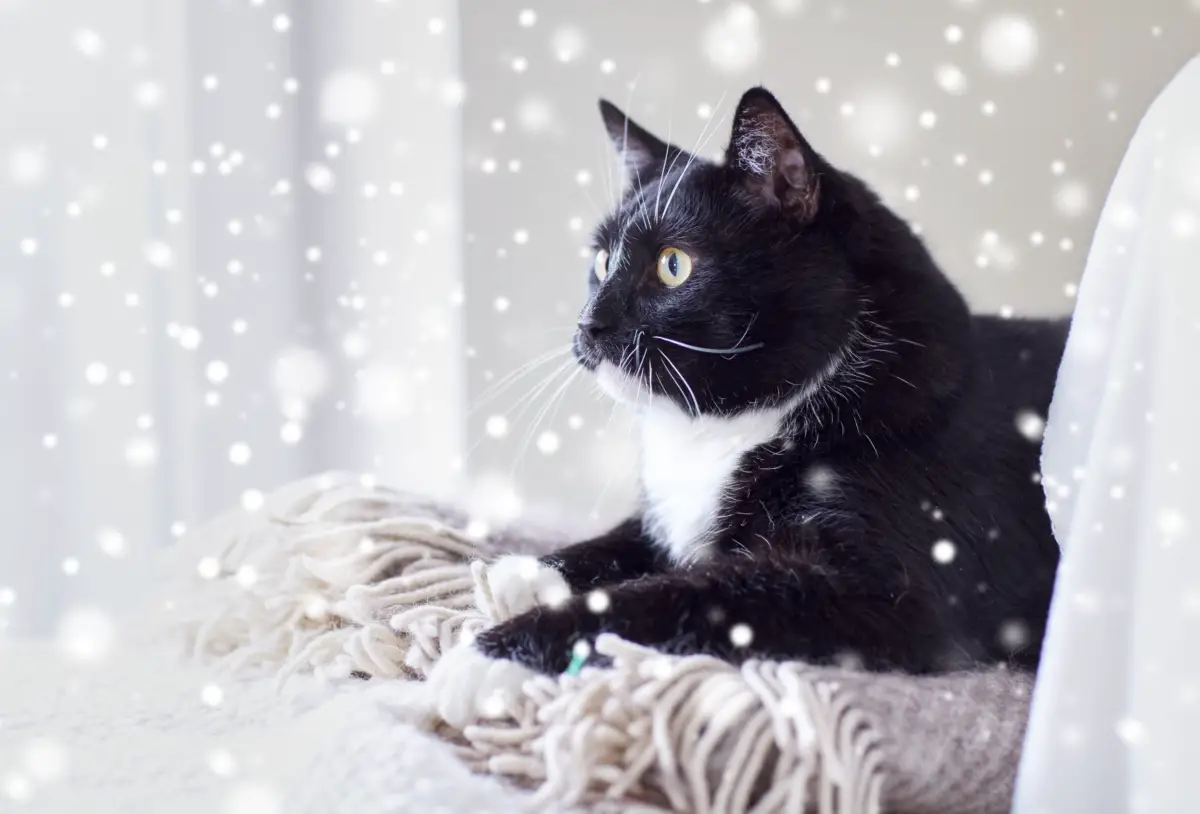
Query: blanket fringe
point(338, 577)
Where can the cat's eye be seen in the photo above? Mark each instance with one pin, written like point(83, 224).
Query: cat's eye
point(674, 266)
point(600, 265)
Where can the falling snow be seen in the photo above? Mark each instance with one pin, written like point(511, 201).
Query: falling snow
point(732, 41)
point(944, 552)
point(1009, 44)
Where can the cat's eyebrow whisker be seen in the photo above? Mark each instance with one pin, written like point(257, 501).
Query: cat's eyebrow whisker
point(695, 151)
point(663, 171)
point(718, 351)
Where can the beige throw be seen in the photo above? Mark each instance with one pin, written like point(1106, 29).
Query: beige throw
point(341, 579)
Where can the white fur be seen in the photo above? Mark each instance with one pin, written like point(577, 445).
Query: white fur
point(687, 466)
point(518, 583)
point(688, 462)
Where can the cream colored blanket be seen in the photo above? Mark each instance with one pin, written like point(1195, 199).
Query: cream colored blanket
point(344, 581)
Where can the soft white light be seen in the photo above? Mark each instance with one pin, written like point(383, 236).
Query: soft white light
point(944, 552)
point(1009, 44)
point(731, 42)
point(319, 176)
point(86, 634)
point(496, 426)
point(951, 79)
point(568, 43)
point(111, 542)
point(212, 695)
point(548, 442)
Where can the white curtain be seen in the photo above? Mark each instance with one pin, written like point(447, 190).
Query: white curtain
point(229, 257)
point(1116, 714)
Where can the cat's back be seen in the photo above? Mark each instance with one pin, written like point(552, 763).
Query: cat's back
point(1016, 360)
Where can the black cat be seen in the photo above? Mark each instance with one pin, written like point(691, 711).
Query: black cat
point(836, 465)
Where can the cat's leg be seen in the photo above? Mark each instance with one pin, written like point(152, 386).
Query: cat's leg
point(621, 554)
point(736, 611)
point(519, 583)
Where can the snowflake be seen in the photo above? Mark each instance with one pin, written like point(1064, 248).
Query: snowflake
point(221, 763)
point(944, 552)
point(496, 426)
point(732, 41)
point(1030, 424)
point(535, 115)
point(1013, 635)
point(548, 442)
point(86, 634)
point(598, 601)
point(320, 177)
point(253, 500)
point(527, 18)
point(96, 373)
point(568, 43)
point(741, 635)
point(1009, 44)
point(26, 165)
point(141, 451)
point(89, 43)
point(111, 542)
point(951, 79)
point(1071, 199)
point(1131, 731)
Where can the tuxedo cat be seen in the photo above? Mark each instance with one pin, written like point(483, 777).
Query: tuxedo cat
point(833, 463)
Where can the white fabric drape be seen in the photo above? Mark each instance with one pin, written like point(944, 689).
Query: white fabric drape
point(1116, 716)
point(229, 257)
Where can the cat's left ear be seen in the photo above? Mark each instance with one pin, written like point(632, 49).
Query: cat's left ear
point(774, 160)
point(641, 153)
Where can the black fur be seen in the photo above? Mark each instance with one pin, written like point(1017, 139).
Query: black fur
point(916, 425)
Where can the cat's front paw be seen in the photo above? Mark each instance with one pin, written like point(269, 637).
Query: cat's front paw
point(466, 685)
point(516, 583)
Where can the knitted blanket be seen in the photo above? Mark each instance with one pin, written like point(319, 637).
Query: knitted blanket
point(344, 580)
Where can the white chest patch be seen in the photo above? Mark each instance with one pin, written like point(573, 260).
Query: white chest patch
point(688, 465)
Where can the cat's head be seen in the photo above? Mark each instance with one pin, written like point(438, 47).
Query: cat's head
point(725, 285)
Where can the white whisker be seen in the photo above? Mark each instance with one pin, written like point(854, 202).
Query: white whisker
point(691, 392)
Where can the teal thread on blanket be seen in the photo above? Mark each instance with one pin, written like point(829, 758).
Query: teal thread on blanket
point(577, 660)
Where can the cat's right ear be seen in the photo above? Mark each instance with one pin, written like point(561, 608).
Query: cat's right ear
point(641, 154)
point(775, 162)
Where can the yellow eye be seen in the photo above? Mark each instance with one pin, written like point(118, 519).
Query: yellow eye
point(600, 266)
point(674, 266)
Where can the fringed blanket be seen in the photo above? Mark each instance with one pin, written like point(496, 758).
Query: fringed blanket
point(349, 582)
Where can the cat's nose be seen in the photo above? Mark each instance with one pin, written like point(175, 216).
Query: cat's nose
point(595, 327)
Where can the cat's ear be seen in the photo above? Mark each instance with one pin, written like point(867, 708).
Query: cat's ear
point(773, 159)
point(640, 153)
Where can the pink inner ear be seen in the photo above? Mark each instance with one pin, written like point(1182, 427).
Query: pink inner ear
point(792, 168)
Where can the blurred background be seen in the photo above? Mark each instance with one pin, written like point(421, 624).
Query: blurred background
point(243, 241)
